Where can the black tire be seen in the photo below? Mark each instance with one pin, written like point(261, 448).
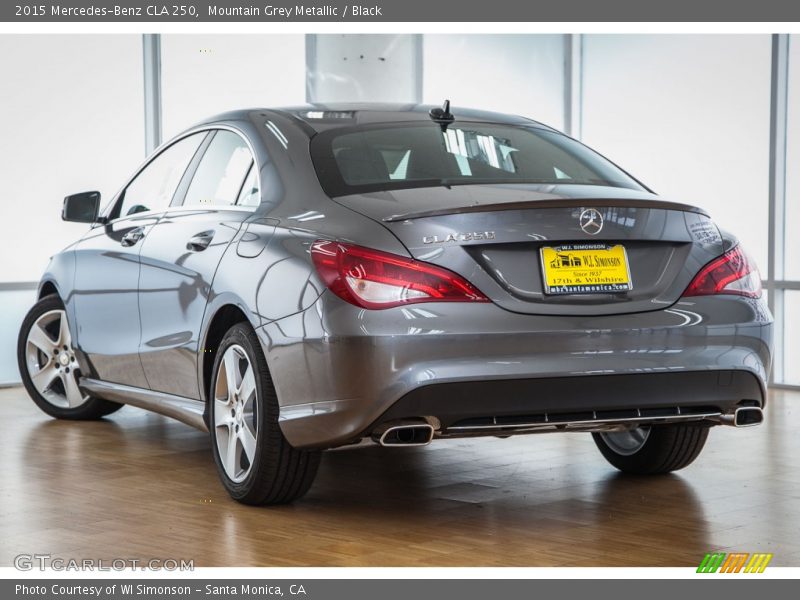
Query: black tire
point(667, 448)
point(278, 473)
point(91, 408)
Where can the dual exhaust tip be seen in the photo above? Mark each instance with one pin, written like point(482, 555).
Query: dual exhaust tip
point(405, 434)
point(420, 433)
point(744, 416)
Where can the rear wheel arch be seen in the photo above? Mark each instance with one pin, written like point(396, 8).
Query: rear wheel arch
point(224, 318)
point(256, 463)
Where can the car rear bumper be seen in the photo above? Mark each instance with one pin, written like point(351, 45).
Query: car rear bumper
point(504, 403)
point(340, 372)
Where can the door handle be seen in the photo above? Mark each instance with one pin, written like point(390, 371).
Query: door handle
point(200, 241)
point(133, 236)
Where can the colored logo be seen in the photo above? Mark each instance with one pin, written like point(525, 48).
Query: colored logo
point(735, 562)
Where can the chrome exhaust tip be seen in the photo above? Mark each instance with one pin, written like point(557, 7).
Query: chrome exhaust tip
point(748, 416)
point(411, 434)
point(744, 416)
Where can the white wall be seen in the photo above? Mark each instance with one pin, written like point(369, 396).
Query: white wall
point(688, 115)
point(15, 304)
point(518, 74)
point(73, 121)
point(203, 75)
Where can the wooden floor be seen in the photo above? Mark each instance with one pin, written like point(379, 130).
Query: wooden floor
point(141, 486)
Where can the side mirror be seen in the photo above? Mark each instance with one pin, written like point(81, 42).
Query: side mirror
point(81, 208)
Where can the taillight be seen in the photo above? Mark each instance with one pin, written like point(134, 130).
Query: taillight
point(732, 273)
point(375, 279)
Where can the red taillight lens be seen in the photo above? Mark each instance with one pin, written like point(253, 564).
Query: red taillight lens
point(374, 279)
point(732, 273)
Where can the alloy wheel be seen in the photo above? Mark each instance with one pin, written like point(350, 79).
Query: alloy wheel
point(236, 413)
point(626, 443)
point(51, 362)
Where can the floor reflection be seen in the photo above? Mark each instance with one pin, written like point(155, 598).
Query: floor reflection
point(137, 485)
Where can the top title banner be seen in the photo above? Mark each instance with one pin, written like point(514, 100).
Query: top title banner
point(400, 11)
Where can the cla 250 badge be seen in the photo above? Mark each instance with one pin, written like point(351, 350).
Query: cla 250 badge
point(467, 236)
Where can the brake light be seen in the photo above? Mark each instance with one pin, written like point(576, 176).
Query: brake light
point(732, 273)
point(374, 279)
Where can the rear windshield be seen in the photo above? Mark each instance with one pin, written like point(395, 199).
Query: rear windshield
point(365, 159)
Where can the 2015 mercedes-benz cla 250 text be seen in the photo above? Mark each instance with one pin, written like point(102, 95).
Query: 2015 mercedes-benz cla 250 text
point(303, 278)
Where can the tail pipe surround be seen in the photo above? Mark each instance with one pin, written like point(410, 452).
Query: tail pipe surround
point(744, 416)
point(404, 434)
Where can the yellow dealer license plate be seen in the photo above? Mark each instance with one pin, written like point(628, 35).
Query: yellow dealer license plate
point(585, 269)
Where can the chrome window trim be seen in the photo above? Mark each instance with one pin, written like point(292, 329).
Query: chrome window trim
point(212, 129)
point(157, 152)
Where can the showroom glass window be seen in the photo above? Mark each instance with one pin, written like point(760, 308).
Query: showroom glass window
point(221, 173)
point(154, 187)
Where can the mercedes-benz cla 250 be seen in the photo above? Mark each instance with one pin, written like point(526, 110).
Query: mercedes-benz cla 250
point(304, 278)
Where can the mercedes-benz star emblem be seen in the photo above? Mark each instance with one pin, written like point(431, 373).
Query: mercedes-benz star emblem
point(591, 221)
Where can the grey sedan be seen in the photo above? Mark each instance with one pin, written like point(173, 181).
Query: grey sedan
point(303, 278)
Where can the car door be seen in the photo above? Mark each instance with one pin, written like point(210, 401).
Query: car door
point(107, 267)
point(180, 256)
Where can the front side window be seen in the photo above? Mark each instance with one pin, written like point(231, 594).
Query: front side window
point(221, 172)
point(372, 158)
point(154, 187)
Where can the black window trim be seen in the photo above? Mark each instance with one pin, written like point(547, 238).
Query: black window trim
point(244, 181)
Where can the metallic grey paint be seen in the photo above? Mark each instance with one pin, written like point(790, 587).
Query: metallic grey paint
point(142, 313)
point(363, 361)
point(183, 409)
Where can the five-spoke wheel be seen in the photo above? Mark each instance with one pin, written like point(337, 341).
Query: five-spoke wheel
point(256, 463)
point(628, 442)
point(51, 362)
point(652, 450)
point(49, 366)
point(236, 413)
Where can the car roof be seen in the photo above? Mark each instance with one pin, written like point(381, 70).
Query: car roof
point(316, 118)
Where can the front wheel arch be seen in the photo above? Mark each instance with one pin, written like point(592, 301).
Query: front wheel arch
point(55, 340)
point(48, 288)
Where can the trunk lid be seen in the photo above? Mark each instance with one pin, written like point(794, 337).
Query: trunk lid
point(493, 236)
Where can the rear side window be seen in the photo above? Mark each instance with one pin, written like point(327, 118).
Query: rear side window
point(155, 185)
point(221, 173)
point(250, 194)
point(374, 158)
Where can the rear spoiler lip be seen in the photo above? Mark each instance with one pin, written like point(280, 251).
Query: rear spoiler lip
point(536, 204)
